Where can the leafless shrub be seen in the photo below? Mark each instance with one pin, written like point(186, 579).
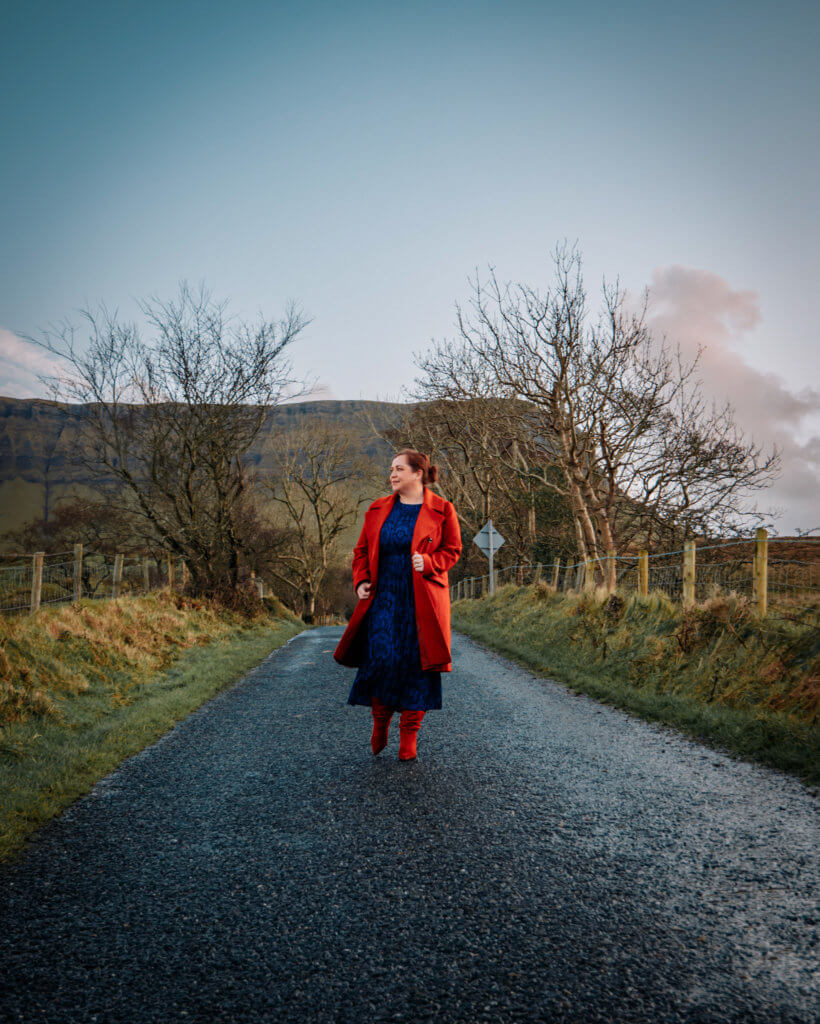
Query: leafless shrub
point(168, 422)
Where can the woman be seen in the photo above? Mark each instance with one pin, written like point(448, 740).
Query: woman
point(399, 633)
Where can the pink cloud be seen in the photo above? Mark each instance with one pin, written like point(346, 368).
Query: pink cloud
point(694, 307)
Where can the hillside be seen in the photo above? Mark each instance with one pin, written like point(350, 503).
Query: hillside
point(38, 445)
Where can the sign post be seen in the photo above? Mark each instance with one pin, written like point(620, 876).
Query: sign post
point(489, 540)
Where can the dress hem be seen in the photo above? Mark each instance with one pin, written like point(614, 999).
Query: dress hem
point(368, 703)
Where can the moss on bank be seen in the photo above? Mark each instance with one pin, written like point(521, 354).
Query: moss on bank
point(716, 671)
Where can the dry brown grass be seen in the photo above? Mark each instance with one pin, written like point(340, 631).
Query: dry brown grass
point(65, 649)
point(718, 670)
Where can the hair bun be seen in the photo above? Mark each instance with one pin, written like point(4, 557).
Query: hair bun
point(417, 461)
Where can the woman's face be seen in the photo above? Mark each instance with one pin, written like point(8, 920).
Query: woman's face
point(402, 475)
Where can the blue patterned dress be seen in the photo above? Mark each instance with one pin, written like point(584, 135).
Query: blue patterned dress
point(391, 665)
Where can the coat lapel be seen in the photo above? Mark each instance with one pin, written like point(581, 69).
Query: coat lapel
point(425, 521)
point(384, 512)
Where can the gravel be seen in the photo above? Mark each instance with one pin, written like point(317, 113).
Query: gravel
point(546, 858)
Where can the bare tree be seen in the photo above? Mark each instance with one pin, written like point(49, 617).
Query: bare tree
point(168, 422)
point(315, 466)
point(617, 413)
point(663, 463)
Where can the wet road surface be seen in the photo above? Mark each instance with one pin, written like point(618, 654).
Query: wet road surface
point(546, 858)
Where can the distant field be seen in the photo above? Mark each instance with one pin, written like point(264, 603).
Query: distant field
point(22, 500)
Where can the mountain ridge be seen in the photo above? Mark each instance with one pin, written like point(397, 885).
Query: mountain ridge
point(39, 438)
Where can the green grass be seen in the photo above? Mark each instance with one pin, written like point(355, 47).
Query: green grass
point(715, 672)
point(48, 760)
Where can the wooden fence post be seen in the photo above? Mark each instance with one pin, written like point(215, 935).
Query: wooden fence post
point(117, 580)
point(688, 573)
point(589, 574)
point(170, 571)
point(555, 575)
point(643, 573)
point(146, 576)
point(78, 571)
point(36, 579)
point(760, 579)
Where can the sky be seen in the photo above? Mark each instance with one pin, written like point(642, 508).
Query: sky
point(364, 160)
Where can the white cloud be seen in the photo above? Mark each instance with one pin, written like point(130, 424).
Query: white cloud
point(20, 363)
point(694, 306)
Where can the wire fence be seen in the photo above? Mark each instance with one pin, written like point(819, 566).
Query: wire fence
point(28, 582)
point(752, 567)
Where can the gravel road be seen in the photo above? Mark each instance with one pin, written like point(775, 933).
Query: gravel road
point(546, 858)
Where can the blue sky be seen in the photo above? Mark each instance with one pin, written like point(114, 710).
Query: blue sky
point(363, 159)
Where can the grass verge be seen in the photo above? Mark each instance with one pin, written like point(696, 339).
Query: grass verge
point(79, 698)
point(716, 672)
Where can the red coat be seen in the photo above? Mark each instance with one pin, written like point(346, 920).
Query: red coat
point(437, 537)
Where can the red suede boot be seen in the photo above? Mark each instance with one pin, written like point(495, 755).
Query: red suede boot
point(381, 724)
point(409, 725)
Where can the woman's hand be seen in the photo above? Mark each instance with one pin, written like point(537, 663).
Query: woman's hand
point(363, 590)
point(418, 562)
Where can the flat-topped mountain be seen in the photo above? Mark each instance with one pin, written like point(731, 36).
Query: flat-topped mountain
point(39, 442)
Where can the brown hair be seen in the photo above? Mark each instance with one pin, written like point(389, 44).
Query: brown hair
point(418, 461)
